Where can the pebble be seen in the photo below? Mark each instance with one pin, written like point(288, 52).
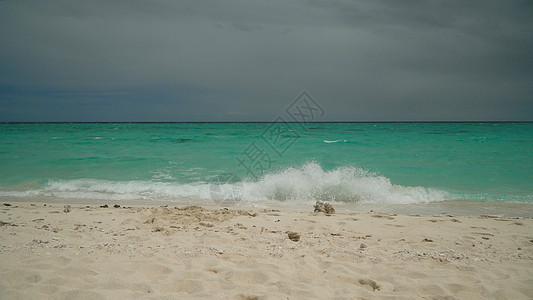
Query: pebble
point(293, 236)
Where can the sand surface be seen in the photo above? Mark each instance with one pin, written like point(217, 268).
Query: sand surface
point(49, 252)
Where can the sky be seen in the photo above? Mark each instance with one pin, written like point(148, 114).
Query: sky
point(247, 60)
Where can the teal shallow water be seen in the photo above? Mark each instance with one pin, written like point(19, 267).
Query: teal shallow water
point(349, 162)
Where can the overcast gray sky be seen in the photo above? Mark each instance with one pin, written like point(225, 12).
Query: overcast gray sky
point(246, 60)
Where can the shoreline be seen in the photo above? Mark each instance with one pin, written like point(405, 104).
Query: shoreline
point(245, 253)
point(455, 207)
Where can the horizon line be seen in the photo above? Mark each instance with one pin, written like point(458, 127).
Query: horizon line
point(244, 122)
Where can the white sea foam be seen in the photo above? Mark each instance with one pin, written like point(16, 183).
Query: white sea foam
point(335, 141)
point(305, 183)
point(346, 184)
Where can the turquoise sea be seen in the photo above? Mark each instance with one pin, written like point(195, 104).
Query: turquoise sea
point(348, 163)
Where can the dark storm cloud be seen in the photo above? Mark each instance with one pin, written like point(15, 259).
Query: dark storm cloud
point(246, 60)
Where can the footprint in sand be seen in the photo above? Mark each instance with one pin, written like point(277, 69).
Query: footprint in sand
point(154, 269)
point(58, 281)
point(249, 276)
point(183, 286)
point(81, 294)
point(34, 278)
point(248, 297)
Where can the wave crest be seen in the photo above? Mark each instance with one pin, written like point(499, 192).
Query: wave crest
point(345, 184)
point(308, 182)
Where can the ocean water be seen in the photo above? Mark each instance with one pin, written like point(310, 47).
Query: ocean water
point(348, 163)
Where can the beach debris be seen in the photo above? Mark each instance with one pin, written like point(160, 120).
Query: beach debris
point(293, 236)
point(149, 221)
point(206, 224)
point(104, 206)
point(388, 217)
point(427, 240)
point(116, 206)
point(36, 241)
point(219, 251)
point(249, 297)
point(363, 246)
point(370, 283)
point(240, 226)
point(66, 208)
point(324, 207)
point(488, 217)
point(157, 229)
point(7, 204)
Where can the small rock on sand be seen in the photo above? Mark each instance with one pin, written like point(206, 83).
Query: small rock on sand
point(66, 208)
point(363, 246)
point(293, 236)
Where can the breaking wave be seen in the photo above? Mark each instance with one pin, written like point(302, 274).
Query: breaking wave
point(308, 182)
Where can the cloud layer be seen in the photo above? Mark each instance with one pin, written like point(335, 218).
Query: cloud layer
point(246, 60)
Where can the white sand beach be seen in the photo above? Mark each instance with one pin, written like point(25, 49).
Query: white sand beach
point(90, 252)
